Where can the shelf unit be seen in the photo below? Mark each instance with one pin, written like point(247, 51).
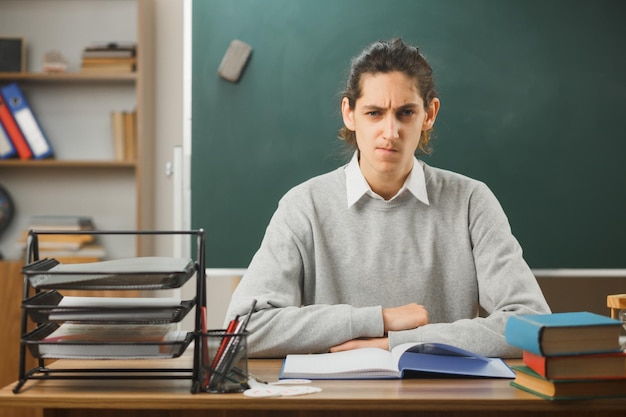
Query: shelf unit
point(74, 111)
point(38, 313)
point(69, 77)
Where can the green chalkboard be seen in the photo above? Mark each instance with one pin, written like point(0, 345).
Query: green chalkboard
point(533, 99)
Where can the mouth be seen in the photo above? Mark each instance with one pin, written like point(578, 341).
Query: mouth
point(387, 150)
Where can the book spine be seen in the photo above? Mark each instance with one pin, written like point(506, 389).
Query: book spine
point(130, 135)
point(536, 362)
point(14, 132)
point(117, 129)
point(524, 334)
point(25, 119)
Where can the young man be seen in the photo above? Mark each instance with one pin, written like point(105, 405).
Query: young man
point(386, 249)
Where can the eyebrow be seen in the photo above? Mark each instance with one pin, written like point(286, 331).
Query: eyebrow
point(370, 107)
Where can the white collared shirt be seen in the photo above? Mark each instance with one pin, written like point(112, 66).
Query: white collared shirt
point(357, 186)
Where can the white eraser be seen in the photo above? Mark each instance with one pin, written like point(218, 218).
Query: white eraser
point(234, 61)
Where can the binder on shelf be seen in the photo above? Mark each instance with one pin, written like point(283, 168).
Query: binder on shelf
point(7, 150)
point(13, 131)
point(22, 113)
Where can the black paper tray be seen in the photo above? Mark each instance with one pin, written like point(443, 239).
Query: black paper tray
point(101, 350)
point(121, 274)
point(44, 307)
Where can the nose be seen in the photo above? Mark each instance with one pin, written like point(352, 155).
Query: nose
point(391, 128)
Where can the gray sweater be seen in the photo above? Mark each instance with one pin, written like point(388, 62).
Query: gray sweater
point(324, 271)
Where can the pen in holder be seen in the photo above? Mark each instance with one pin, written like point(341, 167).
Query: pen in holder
point(225, 362)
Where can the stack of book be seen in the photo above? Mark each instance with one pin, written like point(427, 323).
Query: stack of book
point(66, 248)
point(574, 355)
point(21, 135)
point(109, 57)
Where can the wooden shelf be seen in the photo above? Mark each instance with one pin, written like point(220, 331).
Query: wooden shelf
point(68, 76)
point(74, 109)
point(56, 163)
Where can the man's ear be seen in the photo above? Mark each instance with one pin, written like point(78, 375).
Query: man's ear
point(347, 113)
point(431, 114)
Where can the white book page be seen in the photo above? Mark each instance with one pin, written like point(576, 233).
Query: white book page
point(397, 351)
point(357, 362)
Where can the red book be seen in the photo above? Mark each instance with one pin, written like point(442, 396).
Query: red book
point(14, 132)
point(584, 366)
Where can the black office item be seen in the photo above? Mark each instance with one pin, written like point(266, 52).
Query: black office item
point(12, 54)
point(109, 329)
point(230, 372)
point(7, 210)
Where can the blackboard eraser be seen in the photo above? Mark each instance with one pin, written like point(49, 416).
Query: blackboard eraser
point(234, 61)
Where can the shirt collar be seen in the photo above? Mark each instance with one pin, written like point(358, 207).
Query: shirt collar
point(357, 186)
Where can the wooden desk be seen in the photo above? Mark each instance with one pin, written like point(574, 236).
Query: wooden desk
point(11, 294)
point(160, 398)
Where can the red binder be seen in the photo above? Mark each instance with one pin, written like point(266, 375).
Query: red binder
point(14, 132)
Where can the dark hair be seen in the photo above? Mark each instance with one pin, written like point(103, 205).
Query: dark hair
point(385, 57)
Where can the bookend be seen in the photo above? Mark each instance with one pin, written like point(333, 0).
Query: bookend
point(123, 281)
point(616, 303)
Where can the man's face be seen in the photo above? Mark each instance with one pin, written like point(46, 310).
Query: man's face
point(388, 120)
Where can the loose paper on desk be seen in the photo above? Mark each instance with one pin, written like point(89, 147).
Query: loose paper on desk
point(284, 388)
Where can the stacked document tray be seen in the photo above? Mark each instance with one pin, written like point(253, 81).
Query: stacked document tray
point(101, 325)
point(107, 327)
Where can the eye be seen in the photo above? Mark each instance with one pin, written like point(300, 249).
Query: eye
point(373, 113)
point(406, 113)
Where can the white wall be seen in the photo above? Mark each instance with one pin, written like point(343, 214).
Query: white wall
point(170, 129)
point(168, 52)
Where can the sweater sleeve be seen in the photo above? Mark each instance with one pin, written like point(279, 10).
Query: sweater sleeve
point(276, 278)
point(506, 285)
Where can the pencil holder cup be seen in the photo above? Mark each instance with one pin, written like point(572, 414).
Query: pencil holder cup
point(224, 362)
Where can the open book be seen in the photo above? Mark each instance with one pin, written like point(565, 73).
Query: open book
point(408, 360)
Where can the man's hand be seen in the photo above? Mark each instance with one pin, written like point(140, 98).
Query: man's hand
point(378, 342)
point(404, 317)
